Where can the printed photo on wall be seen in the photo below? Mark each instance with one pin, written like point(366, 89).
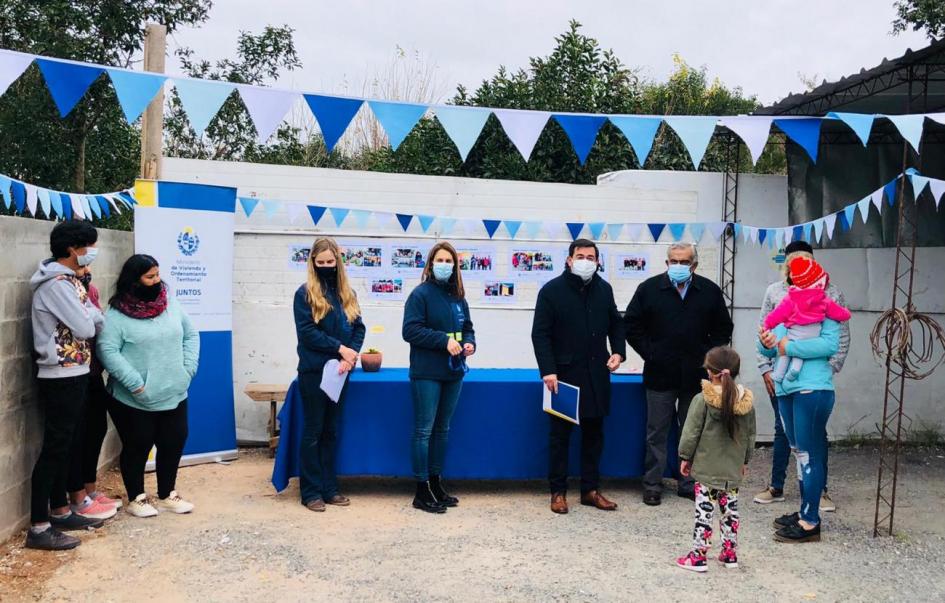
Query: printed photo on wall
point(408, 257)
point(362, 257)
point(535, 263)
point(298, 255)
point(387, 288)
point(498, 292)
point(476, 260)
point(632, 265)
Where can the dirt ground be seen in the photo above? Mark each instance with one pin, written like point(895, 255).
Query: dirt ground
point(245, 543)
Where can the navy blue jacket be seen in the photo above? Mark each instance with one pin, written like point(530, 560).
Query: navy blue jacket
point(319, 342)
point(430, 313)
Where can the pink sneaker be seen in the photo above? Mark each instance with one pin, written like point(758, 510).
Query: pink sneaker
point(692, 562)
point(101, 498)
point(95, 510)
point(728, 558)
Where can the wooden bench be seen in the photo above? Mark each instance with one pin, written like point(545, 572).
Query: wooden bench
point(272, 393)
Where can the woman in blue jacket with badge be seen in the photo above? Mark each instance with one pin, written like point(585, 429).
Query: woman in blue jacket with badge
point(440, 332)
point(329, 327)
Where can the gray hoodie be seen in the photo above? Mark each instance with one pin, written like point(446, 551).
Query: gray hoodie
point(63, 321)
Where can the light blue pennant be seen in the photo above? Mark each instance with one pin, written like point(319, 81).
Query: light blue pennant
point(135, 90)
point(271, 207)
point(807, 228)
point(5, 190)
point(613, 231)
point(860, 123)
point(249, 204)
point(596, 228)
point(849, 213)
point(910, 127)
point(333, 114)
point(339, 214)
point(463, 125)
point(918, 185)
point(532, 228)
point(361, 217)
point(581, 131)
point(696, 229)
point(397, 119)
point(426, 222)
point(446, 225)
point(639, 131)
point(513, 227)
point(102, 203)
point(91, 203)
point(677, 230)
point(738, 230)
point(202, 100)
point(695, 134)
point(56, 201)
point(44, 202)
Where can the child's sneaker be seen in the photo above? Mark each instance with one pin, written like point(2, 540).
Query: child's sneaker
point(94, 510)
point(141, 507)
point(692, 562)
point(728, 558)
point(175, 504)
point(104, 500)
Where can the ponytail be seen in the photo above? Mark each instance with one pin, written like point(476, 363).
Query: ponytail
point(724, 362)
point(729, 398)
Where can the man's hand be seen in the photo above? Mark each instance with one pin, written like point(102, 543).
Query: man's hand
point(685, 467)
point(468, 349)
point(768, 339)
point(345, 367)
point(769, 383)
point(613, 363)
point(551, 382)
point(782, 346)
point(453, 347)
point(348, 355)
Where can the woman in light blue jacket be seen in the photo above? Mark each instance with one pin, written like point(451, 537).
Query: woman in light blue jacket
point(150, 351)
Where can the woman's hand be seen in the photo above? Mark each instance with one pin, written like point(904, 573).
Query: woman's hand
point(138, 391)
point(348, 355)
point(468, 349)
point(782, 346)
point(453, 347)
point(345, 367)
point(767, 338)
point(685, 468)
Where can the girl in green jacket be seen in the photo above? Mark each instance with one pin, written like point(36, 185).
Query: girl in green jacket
point(716, 445)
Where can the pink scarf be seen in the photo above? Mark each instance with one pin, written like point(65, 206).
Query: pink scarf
point(129, 305)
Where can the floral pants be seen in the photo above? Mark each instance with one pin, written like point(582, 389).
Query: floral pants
point(706, 498)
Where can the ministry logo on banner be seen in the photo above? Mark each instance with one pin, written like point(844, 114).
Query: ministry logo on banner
point(188, 242)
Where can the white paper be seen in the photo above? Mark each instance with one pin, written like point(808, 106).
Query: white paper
point(362, 257)
point(298, 255)
point(332, 382)
point(634, 264)
point(498, 292)
point(391, 289)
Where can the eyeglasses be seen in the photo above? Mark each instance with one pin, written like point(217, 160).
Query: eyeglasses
point(680, 262)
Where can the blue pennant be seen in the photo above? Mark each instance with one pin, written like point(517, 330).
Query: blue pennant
point(316, 211)
point(762, 235)
point(805, 132)
point(639, 131)
point(425, 222)
point(398, 119)
point(656, 230)
point(796, 233)
point(849, 213)
point(103, 204)
point(677, 230)
point(92, 203)
point(597, 229)
point(890, 190)
point(65, 204)
point(5, 190)
point(333, 114)
point(56, 202)
point(575, 229)
point(491, 226)
point(405, 220)
point(249, 204)
point(19, 197)
point(582, 132)
point(512, 226)
point(697, 229)
point(737, 227)
point(135, 90)
point(339, 214)
point(67, 82)
point(807, 228)
point(844, 223)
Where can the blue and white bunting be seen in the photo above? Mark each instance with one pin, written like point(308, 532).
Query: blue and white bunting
point(397, 119)
point(463, 125)
point(12, 66)
point(639, 132)
point(135, 90)
point(695, 132)
point(202, 100)
point(522, 127)
point(267, 108)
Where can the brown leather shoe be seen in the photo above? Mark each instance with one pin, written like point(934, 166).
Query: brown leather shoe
point(595, 499)
point(339, 501)
point(316, 504)
point(559, 503)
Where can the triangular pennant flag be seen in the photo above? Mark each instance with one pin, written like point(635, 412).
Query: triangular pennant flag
point(716, 229)
point(333, 114)
point(937, 188)
point(405, 220)
point(910, 127)
point(575, 229)
point(613, 231)
point(115, 202)
point(361, 217)
point(746, 233)
point(31, 199)
point(737, 230)
point(44, 201)
point(78, 209)
point(860, 123)
point(597, 229)
point(797, 233)
point(805, 132)
point(581, 131)
point(12, 66)
point(554, 229)
point(696, 230)
point(533, 229)
point(846, 217)
point(339, 214)
point(639, 131)
point(762, 235)
point(471, 226)
point(522, 127)
point(397, 119)
point(864, 205)
point(103, 205)
point(807, 229)
point(818, 229)
point(512, 226)
point(491, 226)
point(889, 189)
point(877, 198)
point(55, 200)
point(202, 100)
point(463, 125)
point(918, 185)
point(249, 204)
point(267, 108)
point(67, 82)
point(677, 230)
point(752, 129)
point(830, 221)
point(634, 230)
point(446, 225)
point(5, 183)
point(271, 207)
point(134, 90)
point(316, 212)
point(19, 196)
point(695, 134)
point(295, 211)
point(426, 222)
point(90, 205)
point(656, 230)
point(383, 218)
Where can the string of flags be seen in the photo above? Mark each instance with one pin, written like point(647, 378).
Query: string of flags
point(29, 199)
point(812, 231)
point(68, 81)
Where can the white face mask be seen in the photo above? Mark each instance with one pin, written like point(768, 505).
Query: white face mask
point(584, 268)
point(90, 254)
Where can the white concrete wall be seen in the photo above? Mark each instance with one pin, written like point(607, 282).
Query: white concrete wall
point(25, 243)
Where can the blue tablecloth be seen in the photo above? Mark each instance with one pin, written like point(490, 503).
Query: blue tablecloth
point(498, 432)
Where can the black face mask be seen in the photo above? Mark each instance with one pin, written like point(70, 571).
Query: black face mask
point(86, 280)
point(328, 274)
point(148, 294)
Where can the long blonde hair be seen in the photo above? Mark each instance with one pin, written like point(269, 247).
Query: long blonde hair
point(316, 297)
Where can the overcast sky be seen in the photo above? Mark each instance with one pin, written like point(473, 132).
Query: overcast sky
point(760, 49)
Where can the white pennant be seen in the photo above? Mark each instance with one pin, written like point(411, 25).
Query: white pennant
point(717, 228)
point(864, 205)
point(818, 229)
point(12, 66)
point(937, 188)
point(877, 198)
point(267, 107)
point(522, 127)
point(31, 198)
point(746, 233)
point(830, 222)
point(554, 229)
point(295, 211)
point(752, 129)
point(383, 218)
point(471, 226)
point(634, 231)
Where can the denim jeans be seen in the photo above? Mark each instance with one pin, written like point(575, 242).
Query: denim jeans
point(433, 405)
point(805, 418)
point(317, 475)
point(782, 451)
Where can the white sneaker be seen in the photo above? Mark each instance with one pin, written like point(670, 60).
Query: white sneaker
point(141, 507)
point(175, 504)
point(826, 503)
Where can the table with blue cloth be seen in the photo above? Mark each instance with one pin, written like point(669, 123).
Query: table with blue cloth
point(499, 430)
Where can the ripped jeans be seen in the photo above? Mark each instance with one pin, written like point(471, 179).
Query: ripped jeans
point(805, 415)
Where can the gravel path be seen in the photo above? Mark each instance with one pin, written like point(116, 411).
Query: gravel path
point(245, 544)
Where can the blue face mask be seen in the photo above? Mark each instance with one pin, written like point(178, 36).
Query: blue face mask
point(442, 271)
point(679, 274)
point(90, 254)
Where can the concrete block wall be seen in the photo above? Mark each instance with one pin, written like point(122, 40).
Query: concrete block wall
point(24, 243)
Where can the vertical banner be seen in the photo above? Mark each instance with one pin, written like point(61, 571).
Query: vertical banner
point(188, 228)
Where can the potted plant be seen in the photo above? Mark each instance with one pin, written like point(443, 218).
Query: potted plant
point(371, 360)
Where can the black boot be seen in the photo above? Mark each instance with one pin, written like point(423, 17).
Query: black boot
point(436, 485)
point(425, 500)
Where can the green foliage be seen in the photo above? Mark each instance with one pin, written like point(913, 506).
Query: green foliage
point(920, 14)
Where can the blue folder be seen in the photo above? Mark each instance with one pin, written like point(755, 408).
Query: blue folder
point(565, 404)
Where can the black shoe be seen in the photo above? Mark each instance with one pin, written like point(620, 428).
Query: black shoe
point(442, 496)
point(74, 521)
point(652, 498)
point(51, 539)
point(426, 501)
point(796, 534)
point(786, 521)
point(686, 493)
